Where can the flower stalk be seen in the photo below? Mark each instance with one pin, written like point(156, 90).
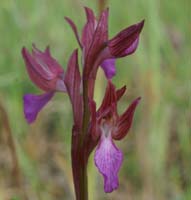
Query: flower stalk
point(79, 168)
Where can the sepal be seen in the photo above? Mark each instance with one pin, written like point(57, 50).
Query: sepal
point(124, 122)
point(126, 41)
point(43, 69)
point(73, 81)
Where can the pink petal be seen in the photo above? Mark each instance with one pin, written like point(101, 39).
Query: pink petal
point(42, 69)
point(132, 48)
point(108, 66)
point(126, 41)
point(108, 159)
point(73, 81)
point(120, 92)
point(108, 100)
point(34, 103)
point(89, 29)
point(46, 62)
point(124, 122)
point(94, 128)
point(96, 45)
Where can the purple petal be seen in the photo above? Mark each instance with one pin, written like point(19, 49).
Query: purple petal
point(108, 66)
point(96, 44)
point(125, 121)
point(43, 69)
point(108, 100)
point(89, 29)
point(34, 103)
point(73, 81)
point(108, 160)
point(126, 41)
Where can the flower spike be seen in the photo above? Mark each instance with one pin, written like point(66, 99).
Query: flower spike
point(92, 128)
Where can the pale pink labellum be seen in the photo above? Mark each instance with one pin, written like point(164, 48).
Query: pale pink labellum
point(108, 159)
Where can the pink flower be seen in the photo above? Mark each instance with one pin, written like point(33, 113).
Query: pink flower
point(108, 126)
point(91, 127)
point(45, 73)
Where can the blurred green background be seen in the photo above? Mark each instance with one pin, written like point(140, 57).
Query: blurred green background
point(157, 151)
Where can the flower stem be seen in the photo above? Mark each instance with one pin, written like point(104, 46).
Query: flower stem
point(80, 183)
point(79, 144)
point(83, 183)
point(79, 168)
point(86, 114)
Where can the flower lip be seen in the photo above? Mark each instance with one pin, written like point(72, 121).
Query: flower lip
point(108, 159)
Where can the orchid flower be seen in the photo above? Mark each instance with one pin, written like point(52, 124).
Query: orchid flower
point(100, 50)
point(91, 128)
point(109, 126)
point(45, 72)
